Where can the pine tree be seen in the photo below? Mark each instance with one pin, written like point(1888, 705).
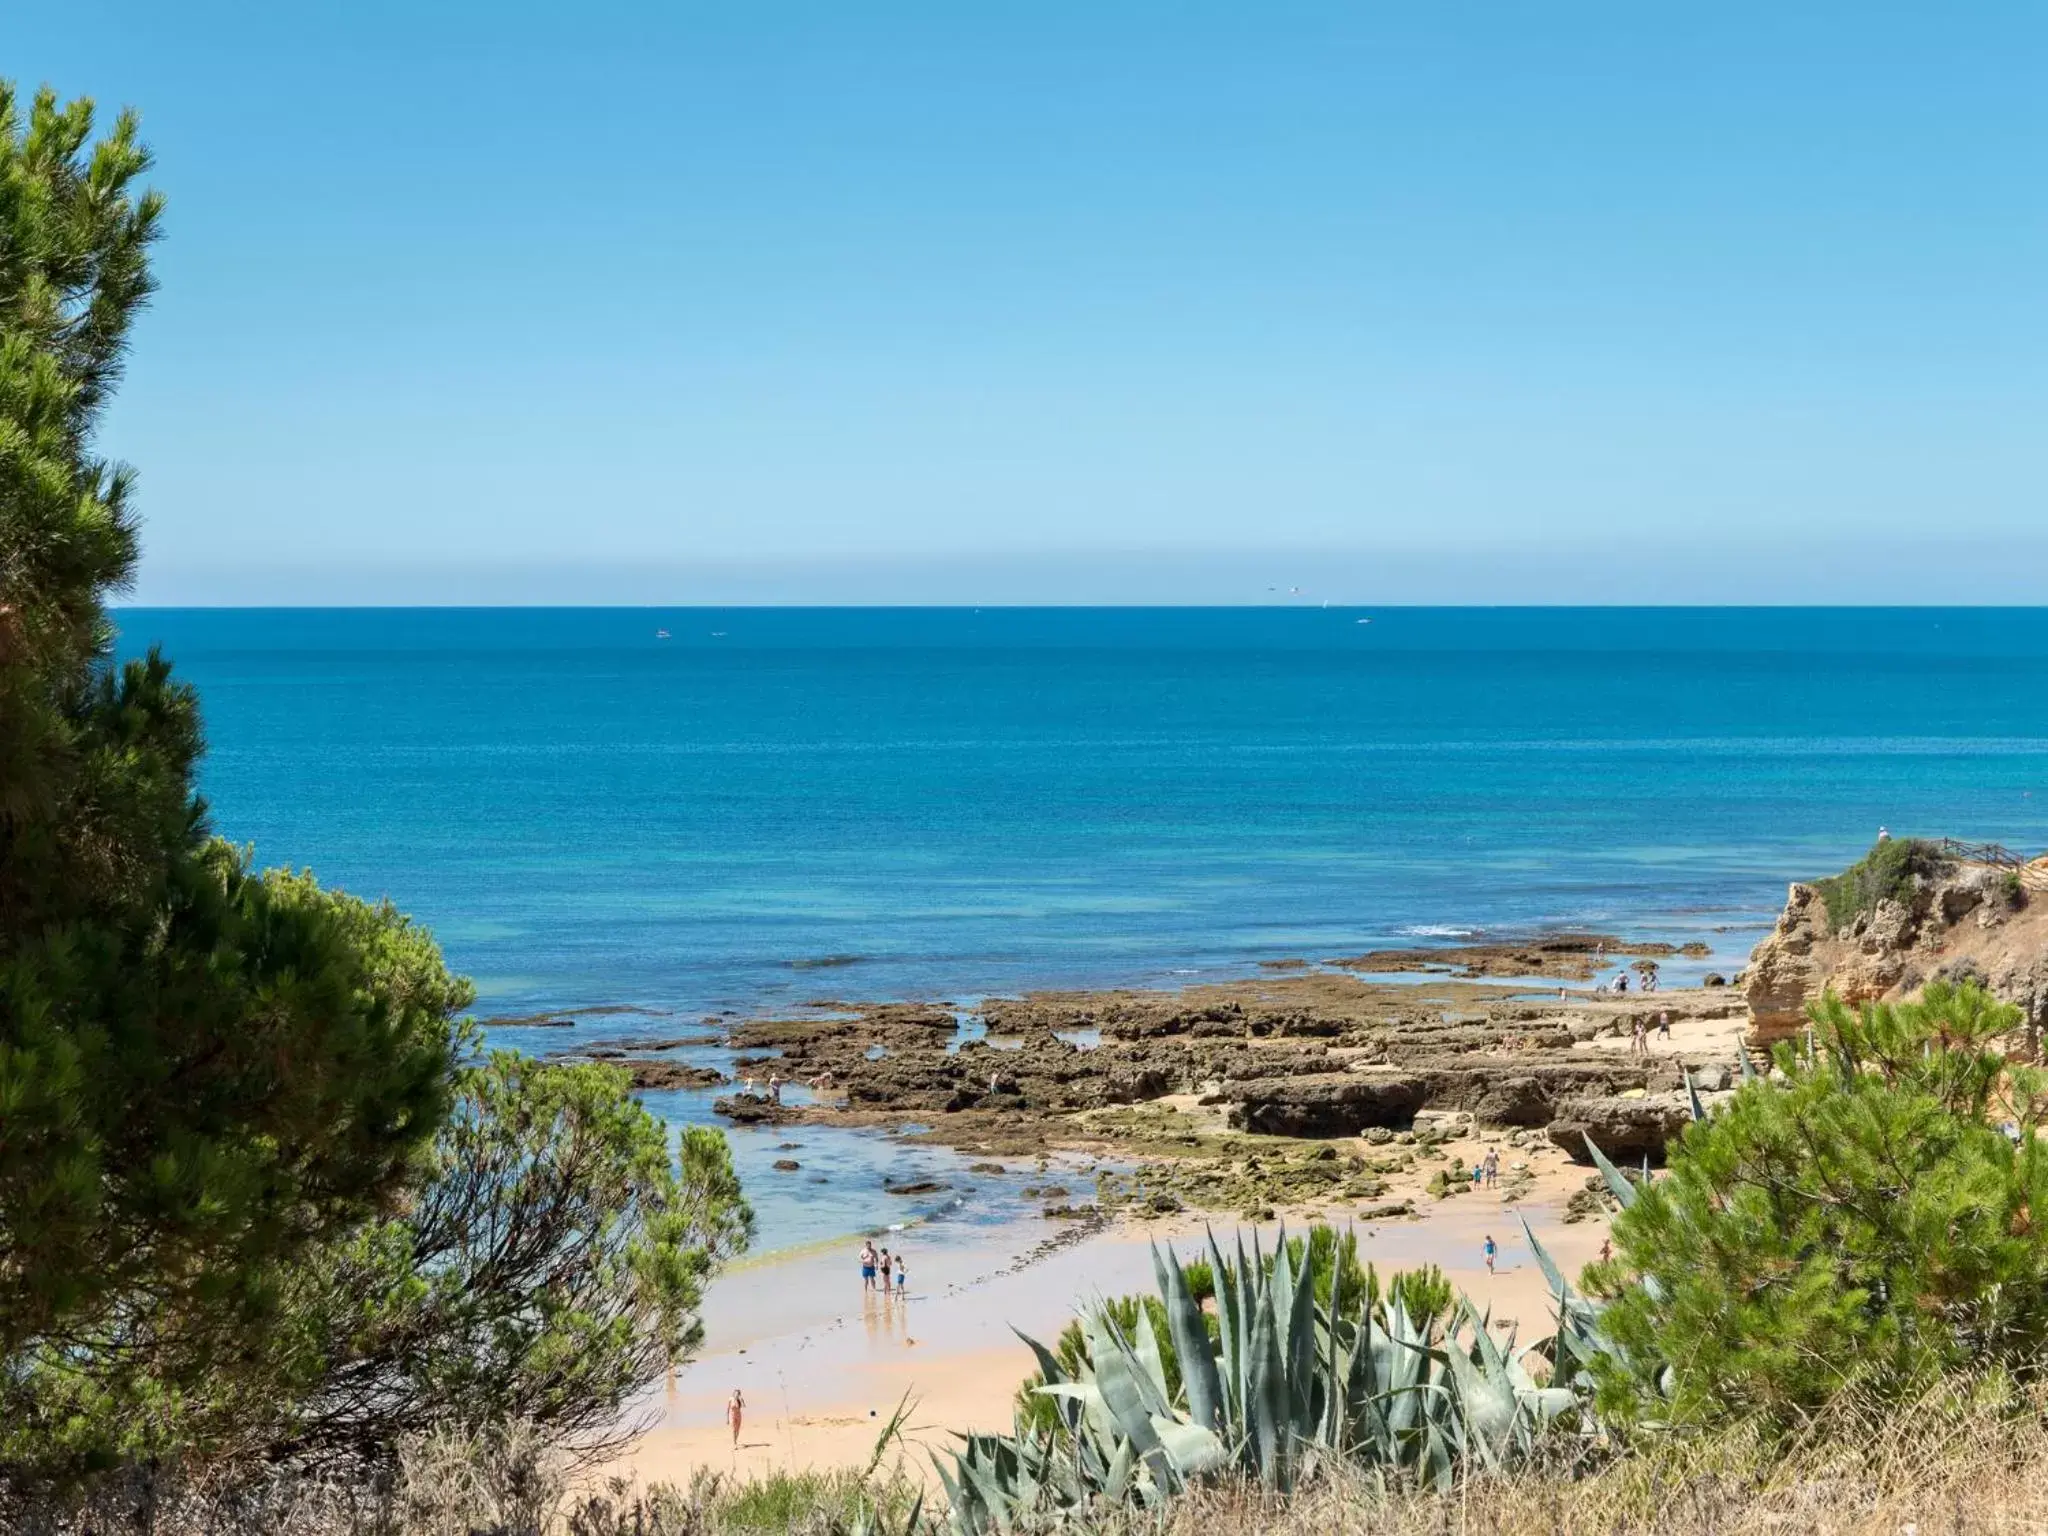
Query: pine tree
point(1867, 1218)
point(202, 1070)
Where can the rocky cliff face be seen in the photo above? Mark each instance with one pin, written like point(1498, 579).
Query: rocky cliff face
point(1964, 921)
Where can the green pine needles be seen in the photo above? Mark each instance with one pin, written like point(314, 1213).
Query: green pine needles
point(261, 1203)
point(1867, 1217)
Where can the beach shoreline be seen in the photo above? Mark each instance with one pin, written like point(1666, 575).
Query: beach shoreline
point(824, 1366)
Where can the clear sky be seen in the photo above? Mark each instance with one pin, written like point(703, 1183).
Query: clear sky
point(641, 302)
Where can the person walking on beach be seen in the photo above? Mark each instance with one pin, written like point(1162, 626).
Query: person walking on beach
point(1638, 1041)
point(1664, 1025)
point(885, 1271)
point(1490, 1251)
point(735, 1410)
point(867, 1265)
point(1493, 1167)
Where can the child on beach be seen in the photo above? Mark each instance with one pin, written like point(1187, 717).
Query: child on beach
point(1490, 1251)
point(902, 1272)
point(734, 1411)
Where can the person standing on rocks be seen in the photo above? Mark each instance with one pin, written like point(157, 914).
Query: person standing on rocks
point(1638, 1041)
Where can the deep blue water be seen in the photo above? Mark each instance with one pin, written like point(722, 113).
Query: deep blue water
point(948, 803)
point(962, 802)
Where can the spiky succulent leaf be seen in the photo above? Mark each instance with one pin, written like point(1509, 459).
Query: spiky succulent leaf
point(1617, 1181)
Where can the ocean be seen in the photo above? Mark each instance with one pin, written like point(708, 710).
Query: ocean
point(697, 811)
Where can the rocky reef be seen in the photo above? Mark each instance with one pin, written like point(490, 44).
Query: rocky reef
point(1307, 1083)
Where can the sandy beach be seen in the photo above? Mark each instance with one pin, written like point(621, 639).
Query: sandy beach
point(823, 1365)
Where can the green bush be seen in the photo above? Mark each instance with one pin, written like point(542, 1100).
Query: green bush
point(1870, 1218)
point(1886, 873)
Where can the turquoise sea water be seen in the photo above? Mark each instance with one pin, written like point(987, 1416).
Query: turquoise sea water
point(779, 805)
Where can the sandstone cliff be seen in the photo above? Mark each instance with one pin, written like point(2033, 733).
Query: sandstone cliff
point(1932, 915)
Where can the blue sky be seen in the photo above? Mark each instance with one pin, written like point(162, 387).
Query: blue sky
point(762, 301)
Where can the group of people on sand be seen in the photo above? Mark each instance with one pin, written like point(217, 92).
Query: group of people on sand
point(1486, 1172)
point(1639, 1035)
point(879, 1266)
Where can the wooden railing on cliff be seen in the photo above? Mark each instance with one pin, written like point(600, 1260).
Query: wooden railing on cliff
point(2033, 873)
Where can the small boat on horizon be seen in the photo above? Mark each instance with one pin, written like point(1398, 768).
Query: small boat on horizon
point(661, 634)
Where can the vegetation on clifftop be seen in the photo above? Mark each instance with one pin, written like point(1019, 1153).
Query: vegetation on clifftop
point(1888, 872)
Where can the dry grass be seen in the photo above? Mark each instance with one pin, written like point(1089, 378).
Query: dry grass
point(506, 1484)
point(1951, 1464)
point(1939, 1468)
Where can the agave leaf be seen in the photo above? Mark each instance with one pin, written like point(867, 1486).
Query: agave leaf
point(1742, 1056)
point(1283, 1292)
point(1048, 1367)
point(1546, 1403)
point(1048, 1363)
point(1190, 1336)
point(1692, 1097)
point(1300, 1351)
point(1116, 1376)
point(1330, 1379)
point(1617, 1182)
point(989, 1493)
point(1191, 1449)
point(1558, 1287)
point(1230, 1333)
point(954, 1500)
point(1491, 1360)
point(1266, 1395)
point(1116, 1481)
point(1486, 1405)
point(1151, 1366)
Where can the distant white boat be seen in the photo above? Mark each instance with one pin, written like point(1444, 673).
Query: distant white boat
point(1365, 621)
point(661, 634)
point(718, 634)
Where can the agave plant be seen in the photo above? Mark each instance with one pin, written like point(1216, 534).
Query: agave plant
point(1288, 1383)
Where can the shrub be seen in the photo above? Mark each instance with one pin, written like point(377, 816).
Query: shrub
point(1866, 1220)
point(1887, 873)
